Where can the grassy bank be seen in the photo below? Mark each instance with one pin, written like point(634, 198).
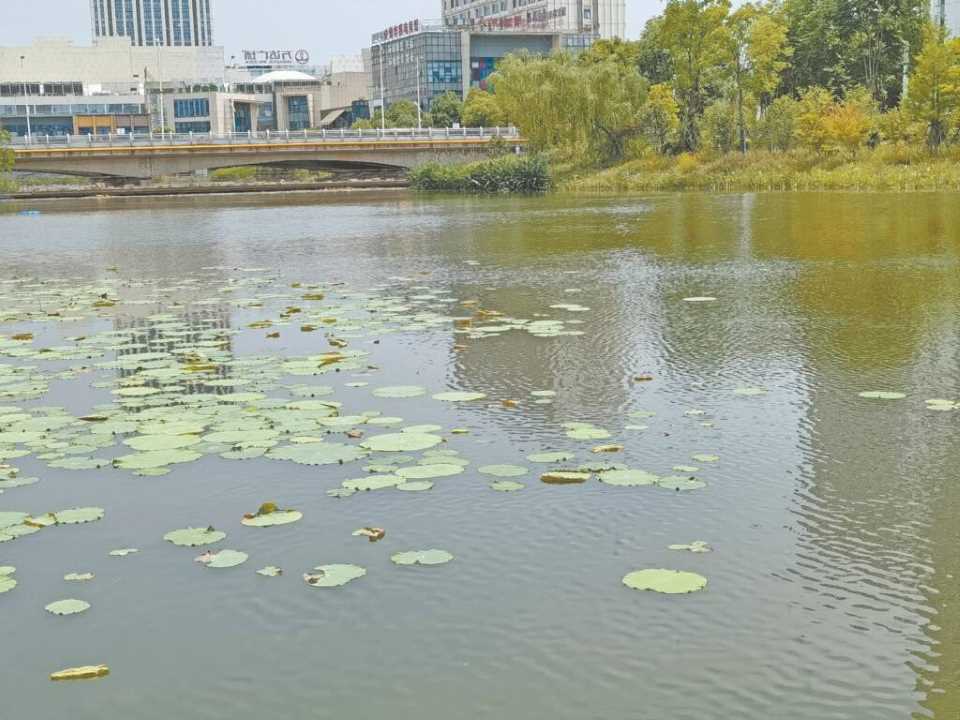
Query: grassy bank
point(888, 168)
point(504, 174)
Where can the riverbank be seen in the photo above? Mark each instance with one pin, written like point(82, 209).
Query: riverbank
point(886, 169)
point(101, 191)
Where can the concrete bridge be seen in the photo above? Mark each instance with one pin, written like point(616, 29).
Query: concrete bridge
point(151, 155)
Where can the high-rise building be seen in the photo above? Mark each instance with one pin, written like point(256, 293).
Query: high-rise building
point(946, 13)
point(600, 18)
point(173, 23)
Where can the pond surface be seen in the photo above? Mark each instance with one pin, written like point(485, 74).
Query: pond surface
point(832, 518)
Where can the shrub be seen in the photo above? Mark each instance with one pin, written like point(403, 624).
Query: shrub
point(521, 174)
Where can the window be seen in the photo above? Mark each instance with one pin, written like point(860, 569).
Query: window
point(298, 112)
point(189, 127)
point(191, 108)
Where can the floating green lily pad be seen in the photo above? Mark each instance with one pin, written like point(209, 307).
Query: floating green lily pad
point(422, 557)
point(155, 459)
point(503, 470)
point(697, 546)
point(459, 396)
point(277, 517)
point(78, 577)
point(401, 442)
point(506, 486)
point(333, 575)
point(628, 478)
point(750, 391)
point(422, 429)
point(67, 607)
point(671, 582)
point(705, 458)
point(123, 552)
point(194, 537)
point(425, 472)
point(882, 395)
point(565, 477)
point(400, 391)
point(341, 492)
point(320, 453)
point(686, 469)
point(270, 571)
point(551, 457)
point(7, 583)
point(415, 486)
point(223, 558)
point(372, 482)
point(152, 443)
point(77, 516)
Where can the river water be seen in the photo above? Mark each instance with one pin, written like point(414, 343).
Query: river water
point(833, 518)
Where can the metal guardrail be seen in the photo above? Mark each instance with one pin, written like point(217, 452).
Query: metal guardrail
point(265, 137)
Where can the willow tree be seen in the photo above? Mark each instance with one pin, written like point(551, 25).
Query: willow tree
point(586, 108)
point(693, 32)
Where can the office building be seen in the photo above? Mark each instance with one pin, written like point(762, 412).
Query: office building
point(418, 61)
point(149, 23)
point(947, 14)
point(601, 18)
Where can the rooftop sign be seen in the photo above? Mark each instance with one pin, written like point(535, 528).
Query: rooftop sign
point(276, 57)
point(411, 27)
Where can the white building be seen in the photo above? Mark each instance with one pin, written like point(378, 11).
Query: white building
point(947, 14)
point(174, 23)
point(601, 18)
point(113, 64)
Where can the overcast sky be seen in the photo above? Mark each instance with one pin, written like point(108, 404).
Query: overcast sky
point(324, 27)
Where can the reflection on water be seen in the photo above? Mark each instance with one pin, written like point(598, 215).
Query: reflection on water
point(834, 585)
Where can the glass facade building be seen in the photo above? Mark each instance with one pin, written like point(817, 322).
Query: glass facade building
point(174, 23)
point(431, 59)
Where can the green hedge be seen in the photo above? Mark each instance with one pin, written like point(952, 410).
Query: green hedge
point(506, 174)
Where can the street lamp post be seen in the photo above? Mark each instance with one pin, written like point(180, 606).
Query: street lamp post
point(419, 110)
point(383, 109)
point(26, 102)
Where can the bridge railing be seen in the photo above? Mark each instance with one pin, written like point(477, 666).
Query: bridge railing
point(265, 137)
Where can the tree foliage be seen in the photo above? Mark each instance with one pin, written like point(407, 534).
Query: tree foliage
point(934, 97)
point(446, 110)
point(481, 109)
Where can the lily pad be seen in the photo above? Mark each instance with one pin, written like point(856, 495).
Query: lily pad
point(680, 484)
point(401, 442)
point(155, 459)
point(372, 482)
point(882, 395)
point(276, 517)
point(341, 492)
point(194, 537)
point(400, 391)
point(415, 486)
point(78, 577)
point(67, 607)
point(459, 396)
point(506, 486)
point(697, 546)
point(152, 443)
point(503, 470)
point(700, 299)
point(321, 453)
point(551, 457)
point(123, 552)
point(422, 557)
point(333, 575)
point(87, 672)
point(628, 478)
point(686, 469)
point(705, 458)
point(671, 582)
point(78, 516)
point(425, 472)
point(750, 391)
point(270, 571)
point(223, 558)
point(565, 477)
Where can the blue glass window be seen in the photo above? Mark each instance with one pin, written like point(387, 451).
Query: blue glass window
point(191, 108)
point(298, 112)
point(189, 127)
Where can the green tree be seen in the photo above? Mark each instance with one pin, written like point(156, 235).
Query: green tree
point(776, 127)
point(719, 127)
point(481, 109)
point(849, 124)
point(6, 157)
point(815, 105)
point(934, 97)
point(693, 33)
point(624, 52)
point(756, 55)
point(446, 109)
point(402, 114)
point(653, 59)
point(659, 117)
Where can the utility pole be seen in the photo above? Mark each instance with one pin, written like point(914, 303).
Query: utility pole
point(26, 101)
point(419, 111)
point(383, 107)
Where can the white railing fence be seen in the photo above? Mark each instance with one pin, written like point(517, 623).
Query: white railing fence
point(261, 137)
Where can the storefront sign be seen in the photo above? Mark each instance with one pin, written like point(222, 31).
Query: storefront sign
point(276, 57)
point(411, 27)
